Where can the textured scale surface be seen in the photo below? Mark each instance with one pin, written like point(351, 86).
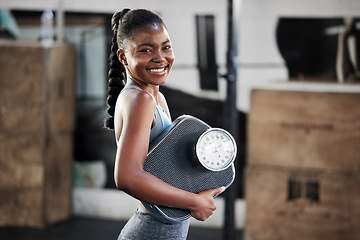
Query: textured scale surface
point(173, 160)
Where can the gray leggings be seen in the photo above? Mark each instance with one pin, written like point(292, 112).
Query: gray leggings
point(142, 226)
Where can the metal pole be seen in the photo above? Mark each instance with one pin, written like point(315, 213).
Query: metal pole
point(230, 116)
point(60, 21)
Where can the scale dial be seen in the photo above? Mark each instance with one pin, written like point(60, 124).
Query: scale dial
point(216, 149)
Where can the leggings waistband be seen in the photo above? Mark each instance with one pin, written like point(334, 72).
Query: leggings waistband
point(142, 209)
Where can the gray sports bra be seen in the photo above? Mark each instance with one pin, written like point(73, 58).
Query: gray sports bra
point(162, 121)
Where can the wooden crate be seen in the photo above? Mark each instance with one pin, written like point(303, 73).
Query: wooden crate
point(22, 68)
point(58, 177)
point(35, 179)
point(36, 84)
point(61, 87)
point(22, 118)
point(36, 124)
point(300, 204)
point(298, 127)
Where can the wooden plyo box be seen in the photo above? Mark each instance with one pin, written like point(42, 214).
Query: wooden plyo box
point(303, 162)
point(37, 85)
point(36, 125)
point(35, 179)
point(297, 126)
point(300, 204)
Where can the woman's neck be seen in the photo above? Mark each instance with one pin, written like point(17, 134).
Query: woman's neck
point(151, 89)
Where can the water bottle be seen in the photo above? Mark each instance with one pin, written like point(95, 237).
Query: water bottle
point(47, 28)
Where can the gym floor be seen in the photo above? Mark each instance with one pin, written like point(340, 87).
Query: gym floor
point(85, 228)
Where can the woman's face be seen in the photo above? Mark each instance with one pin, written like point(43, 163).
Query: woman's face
point(148, 56)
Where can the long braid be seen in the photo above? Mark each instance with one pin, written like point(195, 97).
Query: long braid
point(117, 72)
point(123, 23)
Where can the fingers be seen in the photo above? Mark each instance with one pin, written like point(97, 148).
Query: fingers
point(208, 206)
point(204, 214)
point(217, 191)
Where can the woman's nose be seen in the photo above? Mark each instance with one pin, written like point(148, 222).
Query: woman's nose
point(158, 56)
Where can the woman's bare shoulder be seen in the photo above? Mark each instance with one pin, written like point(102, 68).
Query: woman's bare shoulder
point(133, 107)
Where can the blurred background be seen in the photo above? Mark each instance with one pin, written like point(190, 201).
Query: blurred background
point(297, 115)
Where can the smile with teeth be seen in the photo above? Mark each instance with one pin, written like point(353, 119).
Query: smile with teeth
point(157, 69)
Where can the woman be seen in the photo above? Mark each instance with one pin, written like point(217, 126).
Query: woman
point(140, 61)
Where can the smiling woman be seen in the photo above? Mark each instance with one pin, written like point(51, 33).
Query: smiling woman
point(150, 53)
point(140, 61)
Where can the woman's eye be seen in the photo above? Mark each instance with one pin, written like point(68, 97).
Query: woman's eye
point(167, 47)
point(145, 50)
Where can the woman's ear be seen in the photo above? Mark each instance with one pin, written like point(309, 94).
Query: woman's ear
point(121, 56)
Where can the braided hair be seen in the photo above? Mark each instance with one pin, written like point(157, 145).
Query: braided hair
point(123, 24)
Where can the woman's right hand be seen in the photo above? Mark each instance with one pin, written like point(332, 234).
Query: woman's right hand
point(206, 205)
